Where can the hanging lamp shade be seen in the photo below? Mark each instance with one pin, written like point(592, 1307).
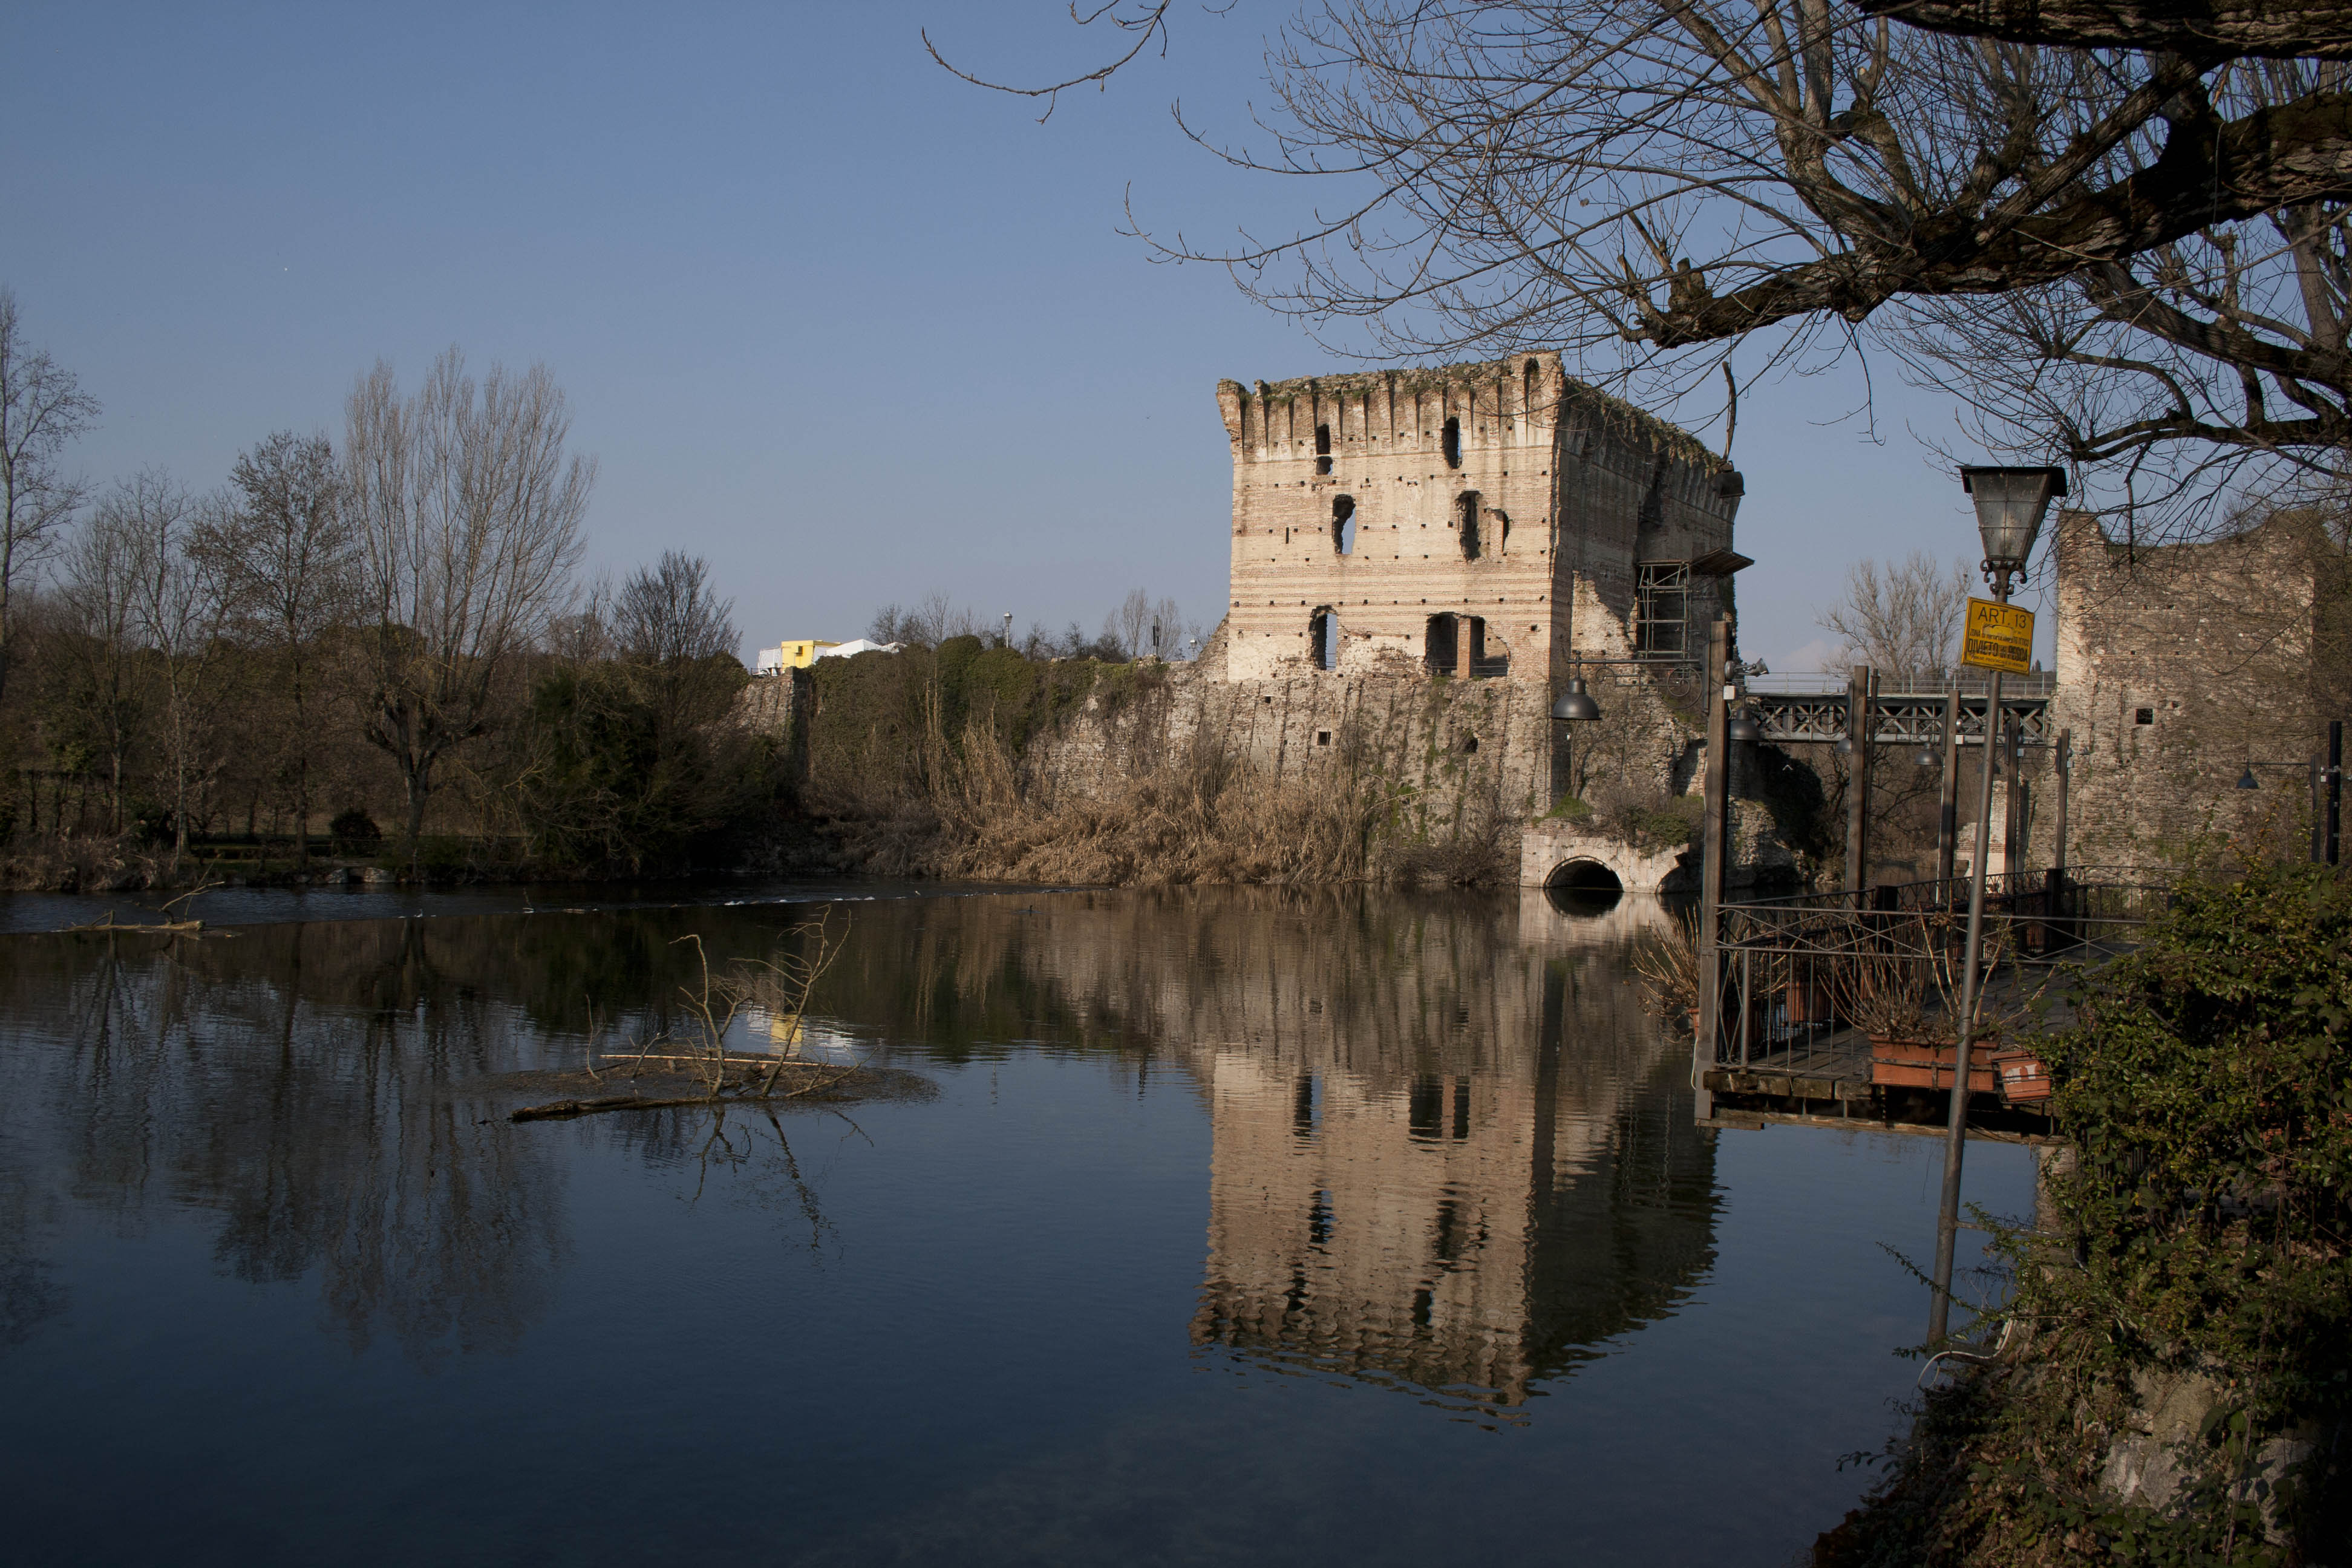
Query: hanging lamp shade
point(1575, 705)
point(1741, 729)
point(2247, 779)
point(1926, 756)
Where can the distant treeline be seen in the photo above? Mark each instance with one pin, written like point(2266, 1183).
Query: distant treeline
point(380, 643)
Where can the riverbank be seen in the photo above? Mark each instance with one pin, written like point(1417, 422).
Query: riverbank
point(2166, 1373)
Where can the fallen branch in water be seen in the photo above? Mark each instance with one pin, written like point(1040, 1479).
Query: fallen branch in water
point(559, 1109)
point(745, 1092)
point(780, 984)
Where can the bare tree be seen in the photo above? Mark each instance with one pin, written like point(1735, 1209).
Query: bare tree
point(466, 513)
point(42, 407)
point(288, 557)
point(669, 622)
point(670, 612)
point(1128, 626)
point(1651, 185)
point(1143, 626)
point(179, 605)
point(2186, 385)
point(100, 598)
point(1902, 616)
point(931, 623)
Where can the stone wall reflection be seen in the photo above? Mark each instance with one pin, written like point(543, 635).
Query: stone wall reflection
point(1465, 1180)
point(1450, 1150)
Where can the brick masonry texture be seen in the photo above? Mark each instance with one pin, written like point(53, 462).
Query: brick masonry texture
point(1564, 488)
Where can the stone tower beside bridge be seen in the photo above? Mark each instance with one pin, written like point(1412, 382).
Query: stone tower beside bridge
point(1420, 559)
point(1481, 521)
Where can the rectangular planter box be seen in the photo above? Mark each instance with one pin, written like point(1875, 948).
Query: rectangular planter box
point(2024, 1077)
point(1925, 1063)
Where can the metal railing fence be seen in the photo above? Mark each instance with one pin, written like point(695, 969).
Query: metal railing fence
point(1808, 981)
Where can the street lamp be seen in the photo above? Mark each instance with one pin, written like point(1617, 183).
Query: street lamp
point(2009, 507)
point(1741, 728)
point(1576, 705)
point(2010, 503)
point(1573, 706)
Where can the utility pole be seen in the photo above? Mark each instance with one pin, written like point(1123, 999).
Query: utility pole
point(1948, 805)
point(2010, 504)
point(2335, 790)
point(1716, 844)
point(2062, 781)
point(1861, 727)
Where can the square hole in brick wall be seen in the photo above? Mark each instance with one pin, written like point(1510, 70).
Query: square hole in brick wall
point(2144, 716)
point(1322, 737)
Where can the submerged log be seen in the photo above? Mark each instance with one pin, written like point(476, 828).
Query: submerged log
point(557, 1109)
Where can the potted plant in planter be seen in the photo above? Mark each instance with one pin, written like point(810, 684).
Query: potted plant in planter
point(1886, 987)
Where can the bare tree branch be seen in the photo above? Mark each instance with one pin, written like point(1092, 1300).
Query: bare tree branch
point(42, 408)
point(2274, 29)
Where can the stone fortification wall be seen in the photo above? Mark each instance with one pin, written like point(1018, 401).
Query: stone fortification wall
point(1451, 748)
point(2176, 665)
point(1504, 491)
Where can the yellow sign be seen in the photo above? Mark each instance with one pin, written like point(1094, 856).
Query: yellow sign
point(2000, 637)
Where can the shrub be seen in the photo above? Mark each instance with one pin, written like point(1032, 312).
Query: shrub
point(354, 832)
point(2204, 1243)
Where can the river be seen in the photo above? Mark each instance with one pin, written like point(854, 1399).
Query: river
point(1215, 1225)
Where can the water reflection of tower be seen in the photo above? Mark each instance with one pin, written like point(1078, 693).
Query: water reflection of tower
point(1468, 1199)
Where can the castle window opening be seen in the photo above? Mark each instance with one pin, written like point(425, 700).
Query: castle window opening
point(1482, 663)
point(1470, 745)
point(1662, 604)
point(1425, 1110)
point(1441, 645)
point(1451, 443)
point(1343, 524)
point(1322, 448)
point(1323, 636)
point(1468, 503)
point(1322, 737)
point(2145, 716)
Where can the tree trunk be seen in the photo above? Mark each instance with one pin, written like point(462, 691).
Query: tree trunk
point(301, 813)
point(418, 791)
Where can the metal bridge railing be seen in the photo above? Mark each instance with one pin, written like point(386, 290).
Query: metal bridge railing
point(1810, 982)
point(1967, 682)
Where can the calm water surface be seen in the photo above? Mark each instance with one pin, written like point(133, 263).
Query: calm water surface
point(1236, 1226)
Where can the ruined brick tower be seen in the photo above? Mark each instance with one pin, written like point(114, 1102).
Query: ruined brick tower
point(1485, 521)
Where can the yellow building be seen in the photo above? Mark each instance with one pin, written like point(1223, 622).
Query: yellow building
point(792, 654)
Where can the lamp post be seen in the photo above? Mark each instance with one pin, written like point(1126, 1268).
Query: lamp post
point(1573, 706)
point(2010, 504)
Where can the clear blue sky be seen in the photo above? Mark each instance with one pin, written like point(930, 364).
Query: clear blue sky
point(845, 326)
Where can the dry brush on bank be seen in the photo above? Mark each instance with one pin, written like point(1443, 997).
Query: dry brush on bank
point(939, 763)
